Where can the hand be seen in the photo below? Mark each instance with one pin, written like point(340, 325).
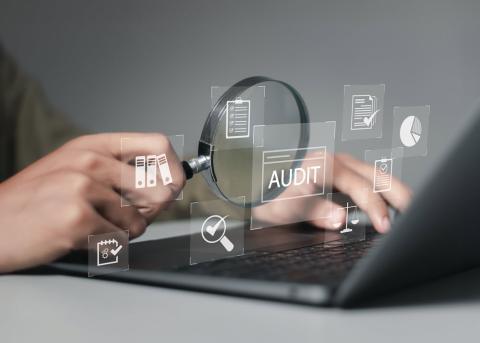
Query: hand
point(50, 207)
point(351, 177)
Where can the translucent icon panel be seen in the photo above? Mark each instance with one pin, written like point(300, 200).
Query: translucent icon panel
point(385, 174)
point(239, 114)
point(349, 211)
point(291, 178)
point(147, 169)
point(363, 111)
point(217, 230)
point(410, 129)
point(108, 253)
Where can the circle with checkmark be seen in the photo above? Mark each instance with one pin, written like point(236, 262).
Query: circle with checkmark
point(214, 229)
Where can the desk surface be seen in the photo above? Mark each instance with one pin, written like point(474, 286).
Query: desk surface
point(71, 309)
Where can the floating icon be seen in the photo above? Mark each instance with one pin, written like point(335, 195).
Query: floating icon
point(364, 112)
point(382, 180)
point(410, 131)
point(238, 118)
point(280, 172)
point(164, 169)
point(151, 171)
point(107, 252)
point(213, 231)
point(354, 220)
point(146, 170)
point(140, 172)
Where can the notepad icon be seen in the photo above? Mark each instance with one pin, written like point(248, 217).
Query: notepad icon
point(238, 119)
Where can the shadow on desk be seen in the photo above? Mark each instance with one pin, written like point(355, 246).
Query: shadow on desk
point(457, 288)
point(454, 289)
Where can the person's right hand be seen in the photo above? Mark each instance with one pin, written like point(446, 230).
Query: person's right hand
point(50, 207)
point(351, 177)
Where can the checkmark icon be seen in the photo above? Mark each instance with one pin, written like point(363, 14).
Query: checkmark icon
point(368, 120)
point(212, 229)
point(114, 252)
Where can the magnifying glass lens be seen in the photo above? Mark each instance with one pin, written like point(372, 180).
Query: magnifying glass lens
point(233, 133)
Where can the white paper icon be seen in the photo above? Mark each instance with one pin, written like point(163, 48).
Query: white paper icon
point(383, 175)
point(364, 112)
point(238, 119)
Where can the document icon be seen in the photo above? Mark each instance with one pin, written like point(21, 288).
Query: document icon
point(238, 118)
point(382, 180)
point(364, 110)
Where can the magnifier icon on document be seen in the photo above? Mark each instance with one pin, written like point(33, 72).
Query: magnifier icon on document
point(214, 229)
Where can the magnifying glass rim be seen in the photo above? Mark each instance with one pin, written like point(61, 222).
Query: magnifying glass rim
point(221, 236)
point(207, 148)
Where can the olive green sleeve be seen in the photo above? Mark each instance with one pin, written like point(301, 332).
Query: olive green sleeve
point(30, 126)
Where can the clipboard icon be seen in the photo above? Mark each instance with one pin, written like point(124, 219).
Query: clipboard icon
point(238, 119)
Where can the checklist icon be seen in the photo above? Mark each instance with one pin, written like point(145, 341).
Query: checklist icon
point(238, 118)
point(382, 180)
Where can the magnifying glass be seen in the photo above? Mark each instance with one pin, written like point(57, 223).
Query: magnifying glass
point(226, 164)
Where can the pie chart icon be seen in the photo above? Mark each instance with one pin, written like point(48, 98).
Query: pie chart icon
point(410, 131)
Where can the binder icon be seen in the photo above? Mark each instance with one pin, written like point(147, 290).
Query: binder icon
point(140, 172)
point(151, 171)
point(146, 170)
point(164, 169)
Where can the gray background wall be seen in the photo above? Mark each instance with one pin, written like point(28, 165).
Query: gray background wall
point(148, 65)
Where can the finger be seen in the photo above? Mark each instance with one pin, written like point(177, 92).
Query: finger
point(349, 182)
point(106, 203)
point(400, 194)
point(121, 177)
point(83, 221)
point(123, 145)
point(327, 215)
point(126, 146)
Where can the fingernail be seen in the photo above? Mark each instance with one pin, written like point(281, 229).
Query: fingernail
point(385, 224)
point(337, 219)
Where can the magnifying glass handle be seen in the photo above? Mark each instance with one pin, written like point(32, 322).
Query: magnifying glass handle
point(227, 244)
point(195, 165)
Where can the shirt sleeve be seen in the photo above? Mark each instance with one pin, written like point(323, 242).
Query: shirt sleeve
point(30, 126)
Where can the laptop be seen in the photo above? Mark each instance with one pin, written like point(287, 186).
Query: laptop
point(436, 236)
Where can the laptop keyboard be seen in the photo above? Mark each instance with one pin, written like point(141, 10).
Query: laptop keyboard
point(325, 263)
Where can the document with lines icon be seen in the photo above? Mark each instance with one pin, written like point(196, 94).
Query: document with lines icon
point(364, 110)
point(238, 119)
